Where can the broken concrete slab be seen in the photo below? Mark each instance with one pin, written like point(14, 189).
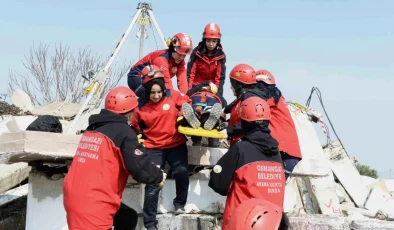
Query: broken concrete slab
point(380, 184)
point(292, 201)
point(201, 198)
point(29, 146)
point(13, 215)
point(13, 194)
point(307, 222)
point(371, 225)
point(366, 180)
point(63, 110)
point(380, 200)
point(199, 155)
point(185, 221)
point(20, 123)
point(3, 123)
point(12, 174)
point(347, 173)
point(320, 190)
point(389, 185)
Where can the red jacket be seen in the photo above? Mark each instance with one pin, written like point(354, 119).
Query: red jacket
point(251, 168)
point(108, 152)
point(202, 67)
point(163, 60)
point(234, 120)
point(158, 121)
point(283, 129)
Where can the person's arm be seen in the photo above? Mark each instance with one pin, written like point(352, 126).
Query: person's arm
point(182, 79)
point(229, 107)
point(179, 98)
point(234, 129)
point(221, 75)
point(220, 182)
point(163, 64)
point(135, 122)
point(138, 163)
point(191, 68)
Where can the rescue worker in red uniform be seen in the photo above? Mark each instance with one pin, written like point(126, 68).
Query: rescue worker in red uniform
point(108, 152)
point(208, 61)
point(170, 60)
point(251, 168)
point(204, 110)
point(256, 214)
point(243, 85)
point(281, 125)
point(157, 121)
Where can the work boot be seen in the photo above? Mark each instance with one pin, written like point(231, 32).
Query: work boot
point(179, 211)
point(190, 116)
point(214, 116)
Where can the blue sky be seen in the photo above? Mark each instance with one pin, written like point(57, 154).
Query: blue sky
point(343, 47)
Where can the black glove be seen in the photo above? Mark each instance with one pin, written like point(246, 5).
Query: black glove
point(181, 122)
point(228, 108)
point(222, 125)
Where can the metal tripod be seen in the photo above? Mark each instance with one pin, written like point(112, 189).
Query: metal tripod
point(144, 16)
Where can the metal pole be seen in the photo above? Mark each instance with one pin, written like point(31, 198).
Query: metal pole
point(157, 27)
point(142, 38)
point(106, 68)
point(121, 41)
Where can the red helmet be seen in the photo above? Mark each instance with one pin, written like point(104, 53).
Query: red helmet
point(121, 99)
point(265, 76)
point(212, 30)
point(254, 109)
point(151, 72)
point(256, 214)
point(243, 73)
point(182, 43)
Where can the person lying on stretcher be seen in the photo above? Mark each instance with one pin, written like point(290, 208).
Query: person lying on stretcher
point(205, 110)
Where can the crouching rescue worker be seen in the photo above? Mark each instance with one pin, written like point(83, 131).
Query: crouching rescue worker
point(281, 124)
point(204, 110)
point(256, 214)
point(208, 61)
point(170, 61)
point(251, 168)
point(108, 152)
point(157, 121)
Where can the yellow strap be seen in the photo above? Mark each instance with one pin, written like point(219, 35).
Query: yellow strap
point(214, 133)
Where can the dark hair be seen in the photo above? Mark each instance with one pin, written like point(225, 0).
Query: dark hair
point(149, 84)
point(171, 48)
point(239, 87)
point(203, 47)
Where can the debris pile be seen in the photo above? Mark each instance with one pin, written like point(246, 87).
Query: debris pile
point(350, 193)
point(330, 190)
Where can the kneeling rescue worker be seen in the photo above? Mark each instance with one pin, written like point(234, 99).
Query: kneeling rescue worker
point(252, 168)
point(108, 152)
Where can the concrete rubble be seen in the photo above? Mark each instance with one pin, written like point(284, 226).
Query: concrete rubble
point(337, 198)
